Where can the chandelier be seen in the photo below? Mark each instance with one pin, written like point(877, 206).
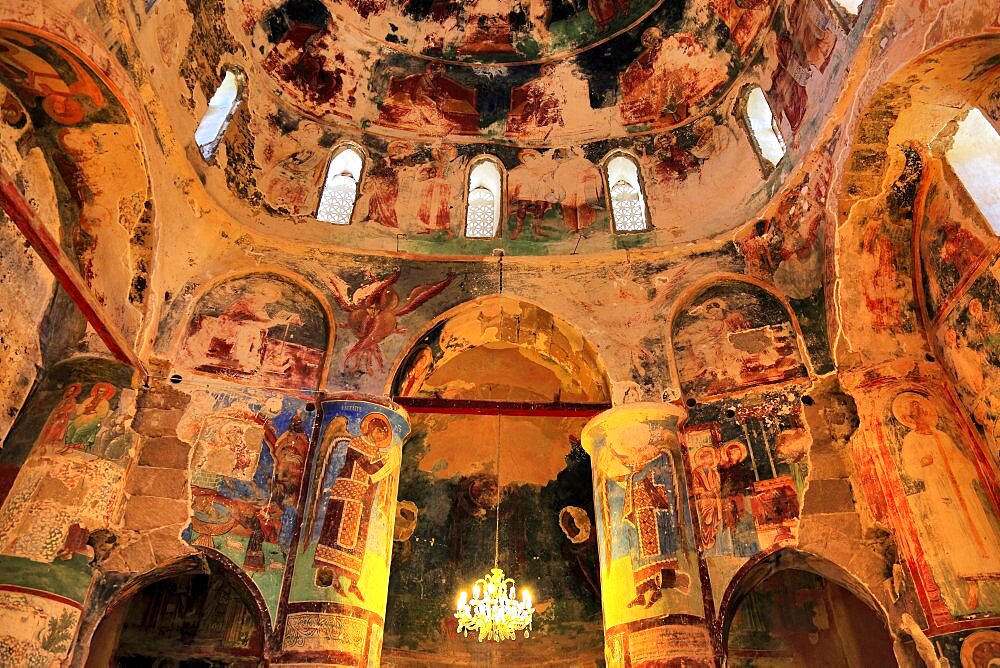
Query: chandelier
point(494, 611)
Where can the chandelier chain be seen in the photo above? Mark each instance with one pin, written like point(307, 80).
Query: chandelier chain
point(496, 535)
point(494, 611)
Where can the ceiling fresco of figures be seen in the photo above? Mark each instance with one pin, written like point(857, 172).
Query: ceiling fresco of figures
point(551, 92)
point(514, 71)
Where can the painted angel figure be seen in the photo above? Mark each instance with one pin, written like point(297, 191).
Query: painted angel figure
point(373, 312)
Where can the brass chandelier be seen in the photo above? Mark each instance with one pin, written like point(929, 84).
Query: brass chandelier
point(494, 611)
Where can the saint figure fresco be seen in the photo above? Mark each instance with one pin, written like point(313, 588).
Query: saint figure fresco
point(246, 476)
point(954, 515)
point(668, 79)
point(581, 186)
point(351, 484)
point(430, 103)
point(435, 197)
point(531, 189)
point(72, 480)
point(540, 108)
point(734, 336)
point(309, 60)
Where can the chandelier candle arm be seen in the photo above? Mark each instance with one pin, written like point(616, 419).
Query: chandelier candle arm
point(498, 615)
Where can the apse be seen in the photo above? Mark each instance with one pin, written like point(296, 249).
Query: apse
point(498, 392)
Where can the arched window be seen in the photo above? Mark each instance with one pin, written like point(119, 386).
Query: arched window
point(482, 217)
point(220, 110)
point(850, 7)
point(340, 191)
point(628, 204)
point(975, 157)
point(763, 129)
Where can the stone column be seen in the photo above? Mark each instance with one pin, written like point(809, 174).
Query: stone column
point(340, 580)
point(651, 590)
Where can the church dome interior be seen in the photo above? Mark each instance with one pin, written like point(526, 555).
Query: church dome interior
point(678, 319)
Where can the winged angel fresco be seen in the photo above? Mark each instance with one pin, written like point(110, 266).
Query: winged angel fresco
point(372, 314)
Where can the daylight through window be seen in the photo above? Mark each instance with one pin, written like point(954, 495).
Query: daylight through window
point(482, 219)
point(336, 203)
point(220, 110)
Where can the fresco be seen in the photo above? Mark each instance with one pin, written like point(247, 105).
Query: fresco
point(732, 336)
point(671, 61)
point(258, 329)
point(942, 479)
point(38, 629)
point(975, 648)
point(650, 569)
point(373, 310)
point(40, 607)
point(951, 246)
point(749, 469)
point(560, 191)
point(96, 164)
point(66, 459)
point(801, 46)
point(248, 459)
point(970, 349)
point(337, 599)
point(449, 499)
point(920, 461)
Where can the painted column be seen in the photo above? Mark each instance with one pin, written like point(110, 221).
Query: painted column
point(651, 590)
point(337, 595)
point(63, 474)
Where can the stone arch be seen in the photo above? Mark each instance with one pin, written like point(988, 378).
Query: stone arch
point(498, 391)
point(295, 303)
point(884, 196)
point(553, 349)
point(783, 559)
point(113, 599)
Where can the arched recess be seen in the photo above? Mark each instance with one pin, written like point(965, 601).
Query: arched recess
point(918, 268)
point(82, 125)
point(787, 595)
point(230, 613)
point(70, 145)
point(502, 328)
point(728, 333)
point(496, 376)
point(266, 328)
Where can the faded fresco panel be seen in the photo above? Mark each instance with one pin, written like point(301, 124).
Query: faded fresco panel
point(951, 493)
point(970, 349)
point(953, 239)
point(65, 461)
point(734, 336)
point(38, 630)
point(259, 329)
point(97, 165)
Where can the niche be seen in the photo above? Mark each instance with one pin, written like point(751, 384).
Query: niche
point(799, 618)
point(191, 620)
